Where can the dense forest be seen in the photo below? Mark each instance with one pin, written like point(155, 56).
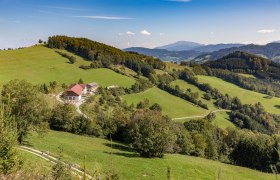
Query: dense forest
point(102, 55)
point(241, 62)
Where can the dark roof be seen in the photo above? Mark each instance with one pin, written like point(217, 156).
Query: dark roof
point(92, 85)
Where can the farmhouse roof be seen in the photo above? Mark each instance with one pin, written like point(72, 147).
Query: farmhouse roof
point(76, 89)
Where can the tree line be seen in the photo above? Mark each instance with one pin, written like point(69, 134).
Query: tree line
point(253, 117)
point(72, 59)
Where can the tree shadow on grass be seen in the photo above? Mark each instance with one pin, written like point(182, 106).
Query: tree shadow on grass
point(268, 97)
point(128, 155)
point(277, 106)
point(119, 147)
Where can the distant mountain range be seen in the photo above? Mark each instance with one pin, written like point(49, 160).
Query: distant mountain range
point(181, 46)
point(188, 45)
point(201, 53)
point(216, 47)
point(166, 55)
point(270, 51)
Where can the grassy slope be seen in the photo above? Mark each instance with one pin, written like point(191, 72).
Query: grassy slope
point(173, 106)
point(130, 166)
point(39, 64)
point(247, 75)
point(246, 96)
point(34, 163)
point(171, 66)
point(222, 118)
point(184, 86)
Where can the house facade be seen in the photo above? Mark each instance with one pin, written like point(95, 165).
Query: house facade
point(75, 92)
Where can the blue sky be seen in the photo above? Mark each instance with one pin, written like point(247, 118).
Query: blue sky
point(148, 23)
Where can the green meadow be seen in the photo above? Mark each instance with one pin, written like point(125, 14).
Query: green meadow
point(39, 64)
point(171, 105)
point(246, 96)
point(102, 155)
point(184, 86)
point(222, 120)
point(33, 163)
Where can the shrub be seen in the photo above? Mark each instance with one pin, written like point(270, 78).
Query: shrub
point(150, 133)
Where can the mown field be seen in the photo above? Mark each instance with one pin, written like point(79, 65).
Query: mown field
point(101, 157)
point(171, 105)
point(39, 64)
point(272, 105)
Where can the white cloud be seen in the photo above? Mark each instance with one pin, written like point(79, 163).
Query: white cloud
point(265, 31)
point(161, 34)
point(145, 33)
point(105, 17)
point(212, 33)
point(180, 1)
point(129, 33)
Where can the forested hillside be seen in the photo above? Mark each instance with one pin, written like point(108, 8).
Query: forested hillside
point(102, 55)
point(242, 62)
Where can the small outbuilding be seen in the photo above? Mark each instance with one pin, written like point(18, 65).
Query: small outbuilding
point(92, 88)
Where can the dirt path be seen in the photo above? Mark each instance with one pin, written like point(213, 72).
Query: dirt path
point(201, 116)
point(53, 160)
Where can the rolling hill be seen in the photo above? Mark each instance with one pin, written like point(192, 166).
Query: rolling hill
point(39, 64)
point(103, 155)
point(248, 63)
point(246, 96)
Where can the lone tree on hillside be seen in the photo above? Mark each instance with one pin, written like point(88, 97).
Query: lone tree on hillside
point(40, 41)
point(150, 133)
